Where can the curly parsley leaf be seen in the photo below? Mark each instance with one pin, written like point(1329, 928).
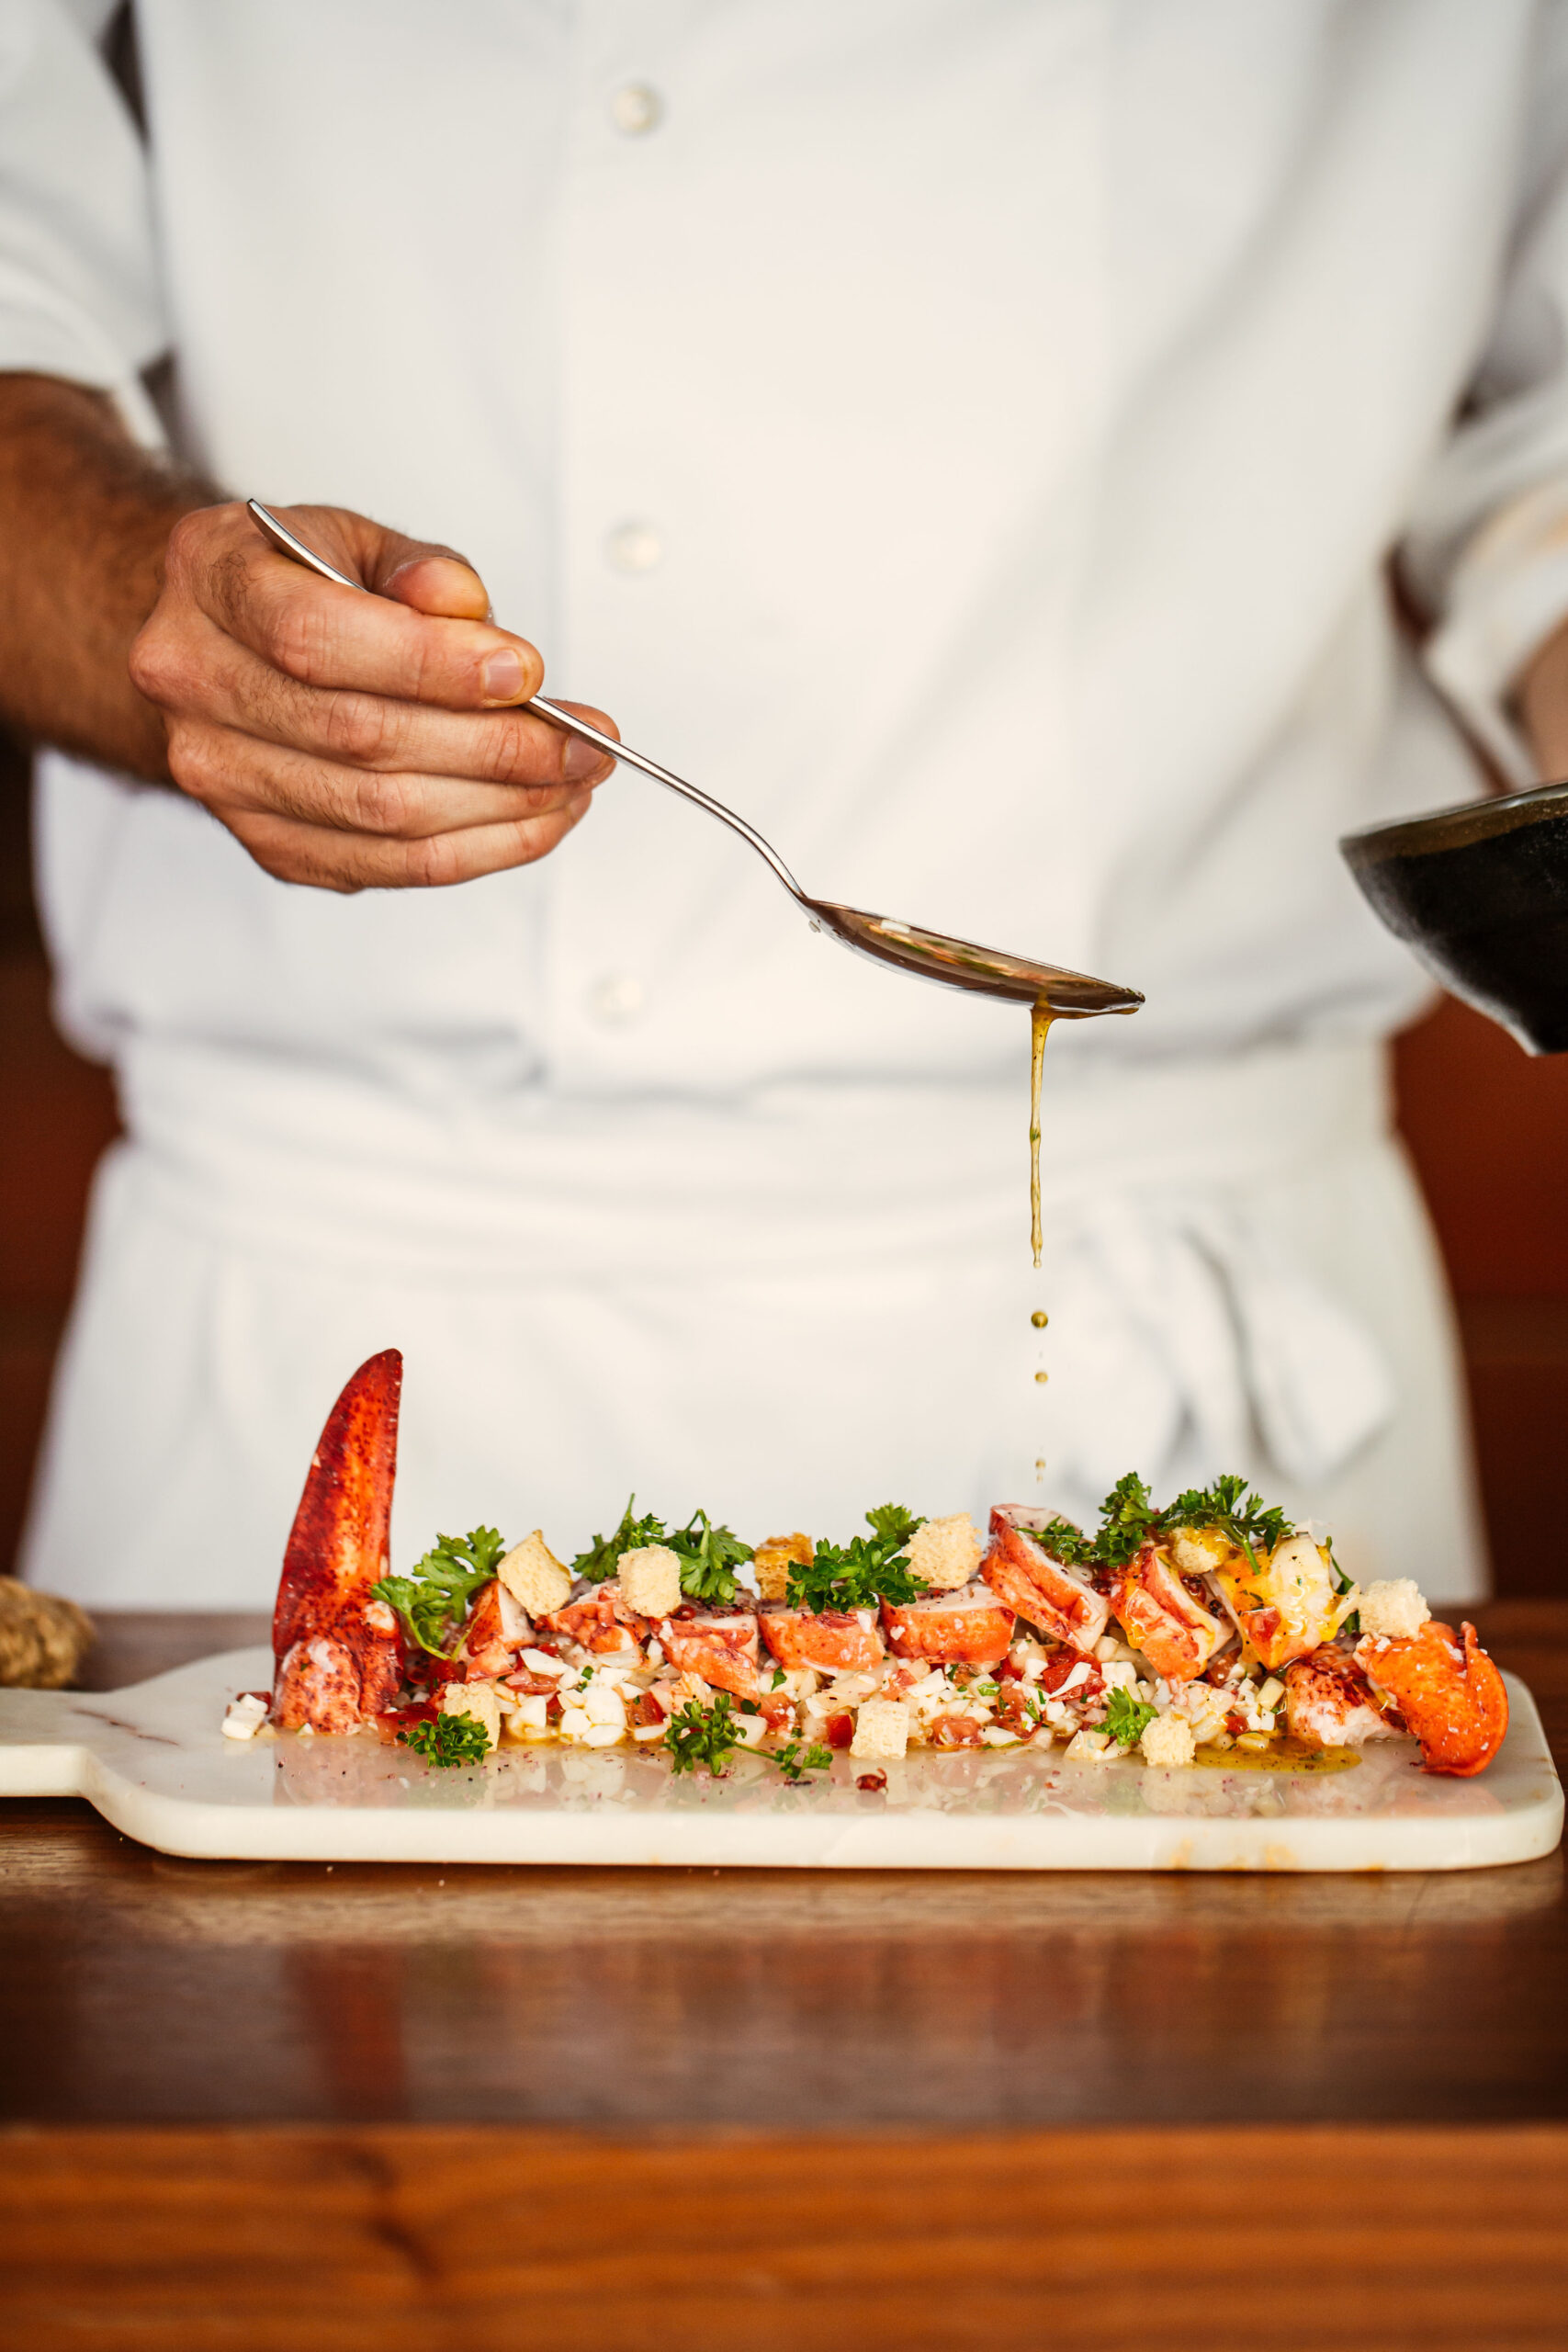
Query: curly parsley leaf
point(859, 1574)
point(604, 1555)
point(1227, 1505)
point(1127, 1519)
point(447, 1739)
point(709, 1557)
point(851, 1576)
point(892, 1526)
point(1066, 1543)
point(698, 1735)
point(1126, 1718)
point(795, 1761)
point(432, 1599)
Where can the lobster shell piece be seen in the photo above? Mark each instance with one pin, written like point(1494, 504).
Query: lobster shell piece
point(339, 1656)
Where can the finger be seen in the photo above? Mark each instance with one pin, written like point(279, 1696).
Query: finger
point(228, 687)
point(234, 774)
point(348, 862)
point(324, 635)
point(423, 573)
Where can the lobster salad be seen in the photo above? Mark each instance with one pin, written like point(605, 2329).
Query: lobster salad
point(1211, 1627)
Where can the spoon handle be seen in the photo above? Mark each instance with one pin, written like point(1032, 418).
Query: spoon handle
point(289, 543)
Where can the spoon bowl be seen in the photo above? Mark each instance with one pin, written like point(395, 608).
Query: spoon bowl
point(928, 955)
point(960, 964)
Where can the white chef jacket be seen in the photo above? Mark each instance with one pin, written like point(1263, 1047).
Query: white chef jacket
point(968, 436)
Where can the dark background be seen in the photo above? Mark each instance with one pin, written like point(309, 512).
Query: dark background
point(1488, 1128)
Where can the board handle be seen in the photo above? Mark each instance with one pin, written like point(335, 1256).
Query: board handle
point(41, 1753)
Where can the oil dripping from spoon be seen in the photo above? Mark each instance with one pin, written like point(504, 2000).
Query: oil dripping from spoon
point(1040, 1019)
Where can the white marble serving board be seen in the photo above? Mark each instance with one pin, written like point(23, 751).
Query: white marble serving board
point(155, 1762)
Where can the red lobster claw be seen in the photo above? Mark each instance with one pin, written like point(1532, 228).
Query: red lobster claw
point(338, 1652)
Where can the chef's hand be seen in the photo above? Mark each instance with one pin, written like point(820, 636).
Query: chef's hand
point(348, 740)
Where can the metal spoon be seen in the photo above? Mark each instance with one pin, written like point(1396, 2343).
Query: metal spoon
point(988, 971)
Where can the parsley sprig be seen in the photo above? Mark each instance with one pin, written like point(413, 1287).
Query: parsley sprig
point(709, 1555)
point(1126, 1718)
point(447, 1739)
point(795, 1761)
point(1128, 1518)
point(432, 1599)
point(862, 1572)
point(1228, 1505)
point(697, 1734)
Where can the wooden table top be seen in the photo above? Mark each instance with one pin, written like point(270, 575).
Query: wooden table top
point(142, 1989)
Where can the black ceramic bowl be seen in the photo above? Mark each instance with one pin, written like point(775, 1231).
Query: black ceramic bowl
point(1481, 893)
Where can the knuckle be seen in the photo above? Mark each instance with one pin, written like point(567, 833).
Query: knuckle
point(432, 862)
point(296, 639)
point(197, 760)
point(182, 549)
point(383, 804)
point(150, 667)
point(361, 729)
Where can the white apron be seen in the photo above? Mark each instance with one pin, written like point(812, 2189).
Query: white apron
point(785, 1312)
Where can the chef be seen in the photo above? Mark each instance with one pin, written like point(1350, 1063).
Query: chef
point(970, 437)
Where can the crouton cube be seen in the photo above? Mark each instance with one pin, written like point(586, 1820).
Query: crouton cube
point(882, 1730)
point(650, 1580)
point(1394, 1610)
point(476, 1699)
point(945, 1552)
point(1168, 1740)
point(533, 1576)
point(773, 1560)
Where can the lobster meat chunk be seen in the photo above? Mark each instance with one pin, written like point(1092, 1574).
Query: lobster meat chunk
point(834, 1641)
point(1058, 1599)
point(1284, 1602)
point(720, 1650)
point(1329, 1703)
point(497, 1629)
point(969, 1627)
point(601, 1619)
point(1161, 1617)
point(1453, 1699)
point(338, 1650)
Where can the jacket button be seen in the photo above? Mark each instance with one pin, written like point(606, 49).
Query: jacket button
point(634, 547)
point(635, 109)
point(616, 998)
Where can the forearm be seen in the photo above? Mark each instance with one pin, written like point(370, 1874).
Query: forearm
point(84, 519)
point(1542, 699)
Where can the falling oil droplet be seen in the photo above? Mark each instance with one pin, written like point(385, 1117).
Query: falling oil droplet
point(1040, 1318)
point(1042, 1376)
point(1040, 1018)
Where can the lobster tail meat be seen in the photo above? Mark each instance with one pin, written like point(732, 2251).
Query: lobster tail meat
point(833, 1640)
point(1449, 1693)
point(969, 1627)
point(1161, 1617)
point(1059, 1600)
point(718, 1647)
point(337, 1647)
